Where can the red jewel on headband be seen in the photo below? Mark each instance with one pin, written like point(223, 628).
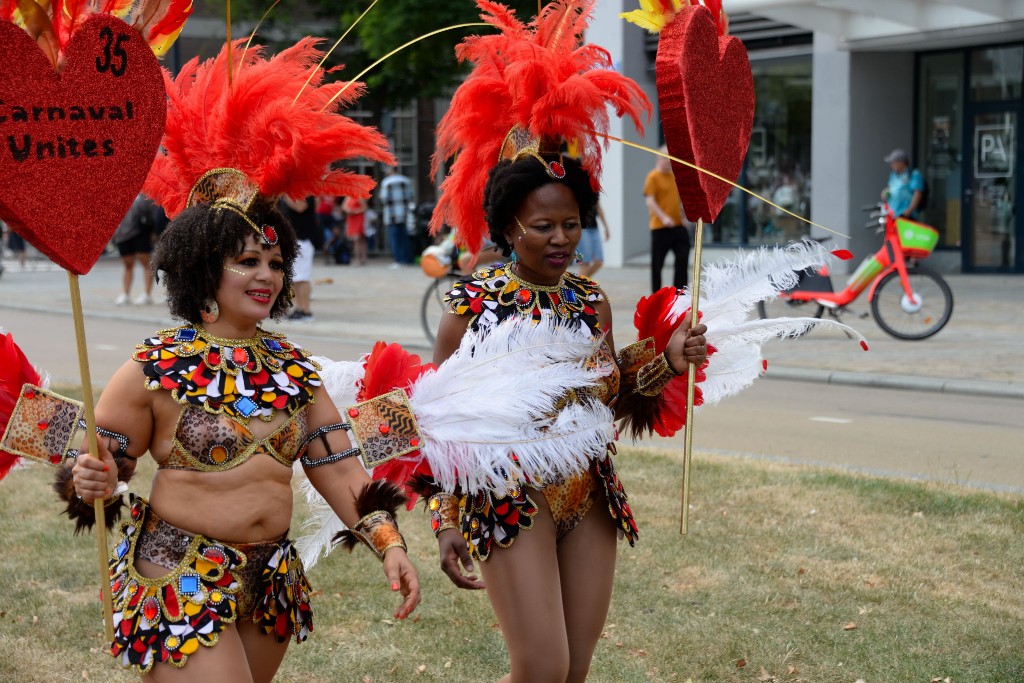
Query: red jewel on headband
point(556, 169)
point(269, 234)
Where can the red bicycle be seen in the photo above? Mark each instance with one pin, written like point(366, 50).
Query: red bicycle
point(907, 301)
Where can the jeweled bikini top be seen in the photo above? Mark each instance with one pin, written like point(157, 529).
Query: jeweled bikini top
point(222, 384)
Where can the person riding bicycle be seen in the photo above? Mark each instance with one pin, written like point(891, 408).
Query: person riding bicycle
point(905, 190)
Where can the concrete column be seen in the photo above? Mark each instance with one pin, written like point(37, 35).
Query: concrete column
point(863, 108)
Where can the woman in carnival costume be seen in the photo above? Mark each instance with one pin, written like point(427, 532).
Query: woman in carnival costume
point(546, 549)
point(223, 406)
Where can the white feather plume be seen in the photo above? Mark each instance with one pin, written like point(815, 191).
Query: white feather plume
point(497, 396)
point(730, 291)
point(340, 379)
point(323, 522)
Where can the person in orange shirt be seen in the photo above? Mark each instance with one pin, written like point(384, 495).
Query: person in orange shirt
point(668, 231)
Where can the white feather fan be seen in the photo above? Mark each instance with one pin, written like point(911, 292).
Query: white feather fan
point(729, 291)
point(497, 395)
point(488, 415)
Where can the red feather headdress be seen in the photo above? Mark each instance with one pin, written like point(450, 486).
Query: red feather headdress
point(531, 83)
point(259, 130)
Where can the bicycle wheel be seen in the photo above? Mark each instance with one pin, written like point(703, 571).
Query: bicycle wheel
point(903, 318)
point(433, 307)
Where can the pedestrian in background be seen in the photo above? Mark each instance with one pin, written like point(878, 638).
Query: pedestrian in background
point(668, 232)
point(16, 243)
point(591, 250)
point(134, 241)
point(905, 189)
point(355, 227)
point(395, 197)
point(302, 216)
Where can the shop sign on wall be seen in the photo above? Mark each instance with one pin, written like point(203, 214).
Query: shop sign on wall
point(993, 151)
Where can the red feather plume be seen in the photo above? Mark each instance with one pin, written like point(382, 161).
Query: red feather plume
point(538, 77)
point(255, 124)
point(15, 371)
point(388, 367)
point(654, 318)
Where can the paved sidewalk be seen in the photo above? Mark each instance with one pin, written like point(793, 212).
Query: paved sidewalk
point(978, 352)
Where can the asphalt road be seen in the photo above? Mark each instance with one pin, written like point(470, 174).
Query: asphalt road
point(973, 440)
point(966, 439)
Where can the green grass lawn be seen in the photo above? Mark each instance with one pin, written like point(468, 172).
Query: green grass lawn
point(788, 574)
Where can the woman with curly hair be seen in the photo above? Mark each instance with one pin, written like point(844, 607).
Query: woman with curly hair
point(203, 572)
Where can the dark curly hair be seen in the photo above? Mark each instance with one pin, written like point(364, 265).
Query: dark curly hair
point(510, 182)
point(191, 252)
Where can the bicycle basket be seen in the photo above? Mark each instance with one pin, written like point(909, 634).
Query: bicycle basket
point(917, 239)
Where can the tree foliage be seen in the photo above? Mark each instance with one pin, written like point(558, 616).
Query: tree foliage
point(425, 69)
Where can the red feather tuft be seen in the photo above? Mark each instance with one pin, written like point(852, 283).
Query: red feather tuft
point(253, 125)
point(671, 416)
point(15, 372)
point(538, 77)
point(654, 318)
point(388, 367)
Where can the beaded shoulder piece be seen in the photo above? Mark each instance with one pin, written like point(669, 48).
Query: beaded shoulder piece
point(242, 378)
point(494, 293)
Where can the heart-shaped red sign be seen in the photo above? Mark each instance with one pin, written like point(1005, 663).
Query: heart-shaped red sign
point(75, 146)
point(706, 98)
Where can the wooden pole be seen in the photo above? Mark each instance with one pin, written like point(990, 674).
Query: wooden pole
point(691, 376)
point(90, 426)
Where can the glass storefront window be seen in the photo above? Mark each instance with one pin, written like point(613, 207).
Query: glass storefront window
point(996, 73)
point(940, 131)
point(778, 164)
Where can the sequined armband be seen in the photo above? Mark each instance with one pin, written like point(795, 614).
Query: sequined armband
point(379, 531)
point(653, 376)
point(445, 512)
point(321, 433)
point(630, 359)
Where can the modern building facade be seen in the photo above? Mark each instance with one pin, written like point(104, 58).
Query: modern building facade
point(840, 83)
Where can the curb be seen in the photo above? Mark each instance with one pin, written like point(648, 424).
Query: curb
point(908, 382)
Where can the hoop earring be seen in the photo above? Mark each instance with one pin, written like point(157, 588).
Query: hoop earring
point(210, 312)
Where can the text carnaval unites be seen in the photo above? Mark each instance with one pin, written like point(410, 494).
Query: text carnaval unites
point(62, 147)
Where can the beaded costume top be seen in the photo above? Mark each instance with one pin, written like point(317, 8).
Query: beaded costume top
point(222, 384)
point(494, 293)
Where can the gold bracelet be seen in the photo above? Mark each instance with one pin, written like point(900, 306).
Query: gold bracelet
point(654, 376)
point(445, 512)
point(379, 531)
